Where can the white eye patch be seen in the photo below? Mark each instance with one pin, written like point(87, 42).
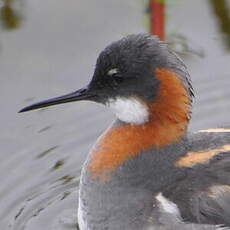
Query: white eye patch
point(112, 71)
point(129, 110)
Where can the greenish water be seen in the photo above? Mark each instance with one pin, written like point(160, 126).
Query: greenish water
point(50, 49)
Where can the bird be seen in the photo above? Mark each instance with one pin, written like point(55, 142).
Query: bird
point(147, 171)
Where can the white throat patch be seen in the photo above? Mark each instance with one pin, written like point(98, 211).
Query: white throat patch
point(129, 110)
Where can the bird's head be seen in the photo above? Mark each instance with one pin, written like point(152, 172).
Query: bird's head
point(129, 78)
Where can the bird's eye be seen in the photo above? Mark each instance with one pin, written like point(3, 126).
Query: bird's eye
point(113, 72)
point(116, 75)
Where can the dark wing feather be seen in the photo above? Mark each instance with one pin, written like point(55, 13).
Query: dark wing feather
point(203, 197)
point(212, 204)
point(212, 207)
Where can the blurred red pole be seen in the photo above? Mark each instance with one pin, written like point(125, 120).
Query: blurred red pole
point(157, 26)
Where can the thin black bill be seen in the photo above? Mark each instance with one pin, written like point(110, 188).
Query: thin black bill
point(81, 94)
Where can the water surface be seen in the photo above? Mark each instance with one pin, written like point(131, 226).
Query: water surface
point(53, 52)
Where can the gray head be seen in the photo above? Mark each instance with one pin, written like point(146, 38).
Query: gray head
point(126, 69)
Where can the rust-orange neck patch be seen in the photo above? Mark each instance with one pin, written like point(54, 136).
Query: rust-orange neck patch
point(169, 116)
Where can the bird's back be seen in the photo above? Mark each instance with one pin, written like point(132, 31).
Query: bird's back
point(203, 195)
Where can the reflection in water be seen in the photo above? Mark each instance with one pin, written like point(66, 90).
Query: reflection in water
point(45, 128)
point(10, 18)
point(221, 10)
point(57, 165)
point(46, 152)
point(179, 43)
point(183, 46)
point(66, 179)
